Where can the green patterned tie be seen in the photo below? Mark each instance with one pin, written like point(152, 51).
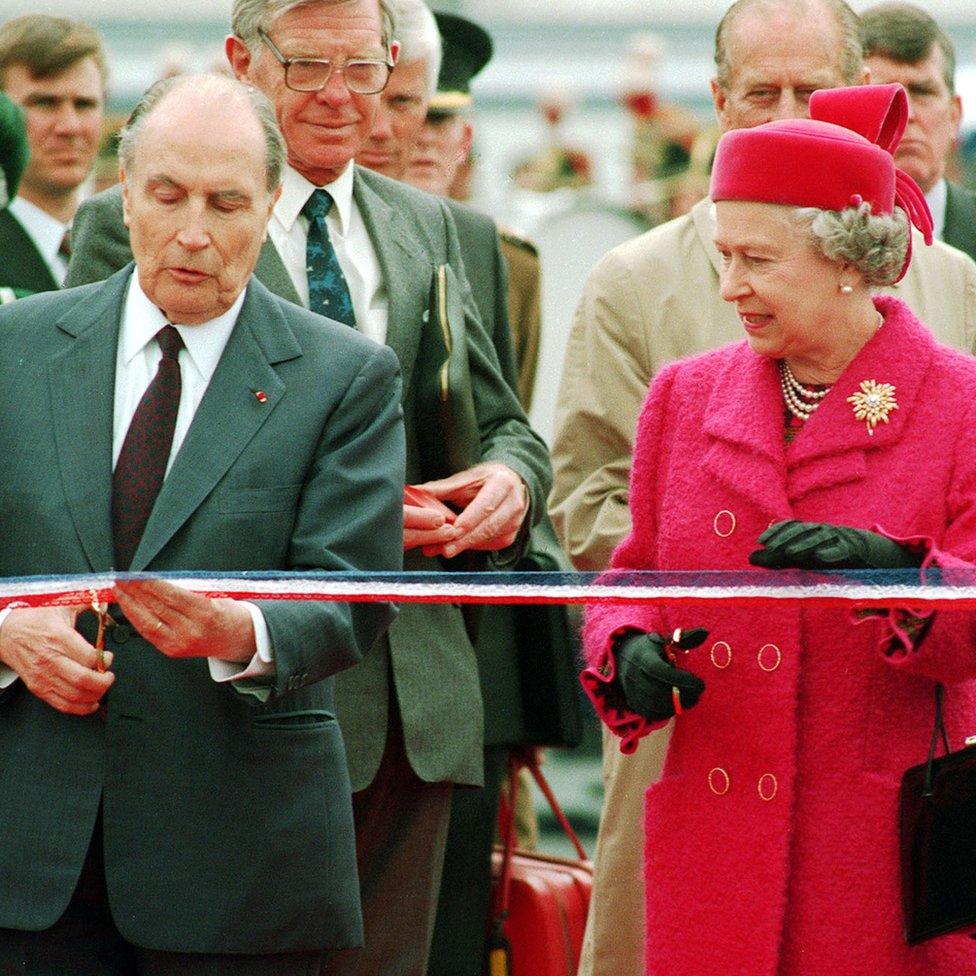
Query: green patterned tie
point(328, 293)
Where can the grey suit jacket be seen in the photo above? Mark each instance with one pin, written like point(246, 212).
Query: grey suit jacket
point(427, 659)
point(960, 219)
point(208, 795)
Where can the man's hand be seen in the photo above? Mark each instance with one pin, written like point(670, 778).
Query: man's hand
point(53, 660)
point(492, 501)
point(185, 624)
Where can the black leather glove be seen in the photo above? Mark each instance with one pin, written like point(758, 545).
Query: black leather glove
point(646, 676)
point(819, 545)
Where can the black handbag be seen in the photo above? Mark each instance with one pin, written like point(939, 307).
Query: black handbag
point(937, 821)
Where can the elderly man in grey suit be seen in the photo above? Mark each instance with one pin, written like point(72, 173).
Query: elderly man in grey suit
point(654, 299)
point(180, 802)
point(411, 712)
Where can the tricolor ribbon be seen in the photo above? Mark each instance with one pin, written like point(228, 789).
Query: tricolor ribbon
point(854, 589)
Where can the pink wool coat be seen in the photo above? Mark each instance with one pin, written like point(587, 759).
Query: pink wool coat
point(771, 845)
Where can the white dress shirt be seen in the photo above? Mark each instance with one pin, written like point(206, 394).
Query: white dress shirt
point(137, 359)
point(350, 239)
point(938, 198)
point(46, 232)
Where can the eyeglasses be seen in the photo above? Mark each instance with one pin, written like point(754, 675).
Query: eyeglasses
point(363, 76)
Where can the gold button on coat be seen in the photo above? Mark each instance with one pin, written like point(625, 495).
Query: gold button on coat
point(769, 657)
point(768, 786)
point(719, 781)
point(724, 523)
point(721, 655)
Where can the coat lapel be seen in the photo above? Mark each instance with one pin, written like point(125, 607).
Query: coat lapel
point(228, 417)
point(81, 385)
point(744, 421)
point(832, 448)
point(407, 272)
point(272, 273)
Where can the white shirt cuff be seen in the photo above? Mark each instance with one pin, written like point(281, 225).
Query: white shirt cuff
point(7, 675)
point(261, 665)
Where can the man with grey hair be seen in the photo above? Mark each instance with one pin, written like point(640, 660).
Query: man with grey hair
point(655, 299)
point(368, 250)
point(174, 790)
point(904, 44)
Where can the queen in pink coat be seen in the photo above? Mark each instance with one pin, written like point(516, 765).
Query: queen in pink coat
point(837, 434)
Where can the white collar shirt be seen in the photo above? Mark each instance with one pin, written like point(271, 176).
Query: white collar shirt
point(938, 198)
point(45, 231)
point(288, 229)
point(138, 356)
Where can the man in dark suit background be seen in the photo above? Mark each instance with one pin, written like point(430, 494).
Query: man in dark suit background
point(411, 711)
point(904, 44)
point(197, 787)
point(55, 70)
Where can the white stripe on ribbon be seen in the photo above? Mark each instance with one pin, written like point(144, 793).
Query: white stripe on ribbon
point(888, 589)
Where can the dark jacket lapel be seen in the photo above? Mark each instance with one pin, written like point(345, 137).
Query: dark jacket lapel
point(82, 391)
point(23, 266)
point(960, 219)
point(272, 273)
point(228, 416)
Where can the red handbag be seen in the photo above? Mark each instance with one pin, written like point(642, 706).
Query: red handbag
point(539, 903)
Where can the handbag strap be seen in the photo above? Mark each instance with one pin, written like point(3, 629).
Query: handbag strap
point(506, 824)
point(546, 789)
point(938, 730)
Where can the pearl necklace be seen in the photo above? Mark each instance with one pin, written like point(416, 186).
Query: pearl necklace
point(800, 401)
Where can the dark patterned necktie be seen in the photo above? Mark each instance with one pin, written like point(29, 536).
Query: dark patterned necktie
point(328, 292)
point(145, 451)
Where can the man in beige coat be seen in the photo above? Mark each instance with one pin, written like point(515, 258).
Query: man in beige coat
point(654, 299)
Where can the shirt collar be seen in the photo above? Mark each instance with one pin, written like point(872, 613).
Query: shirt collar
point(47, 231)
point(204, 343)
point(937, 198)
point(295, 191)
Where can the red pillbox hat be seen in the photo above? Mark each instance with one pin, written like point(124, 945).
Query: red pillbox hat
point(840, 157)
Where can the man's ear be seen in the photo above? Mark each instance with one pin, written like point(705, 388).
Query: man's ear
point(956, 113)
point(125, 195)
point(467, 140)
point(238, 56)
point(719, 97)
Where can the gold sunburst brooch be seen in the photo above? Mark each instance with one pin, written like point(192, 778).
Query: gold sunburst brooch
point(873, 403)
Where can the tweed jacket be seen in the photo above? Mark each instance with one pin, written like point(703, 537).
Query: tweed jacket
point(655, 299)
point(208, 795)
point(771, 838)
point(426, 659)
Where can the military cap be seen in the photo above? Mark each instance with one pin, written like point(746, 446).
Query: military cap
point(467, 49)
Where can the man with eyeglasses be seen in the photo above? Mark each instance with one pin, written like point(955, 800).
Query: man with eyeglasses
point(364, 249)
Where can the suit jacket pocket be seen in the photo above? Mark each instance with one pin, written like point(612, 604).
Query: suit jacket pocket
point(243, 500)
point(293, 721)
